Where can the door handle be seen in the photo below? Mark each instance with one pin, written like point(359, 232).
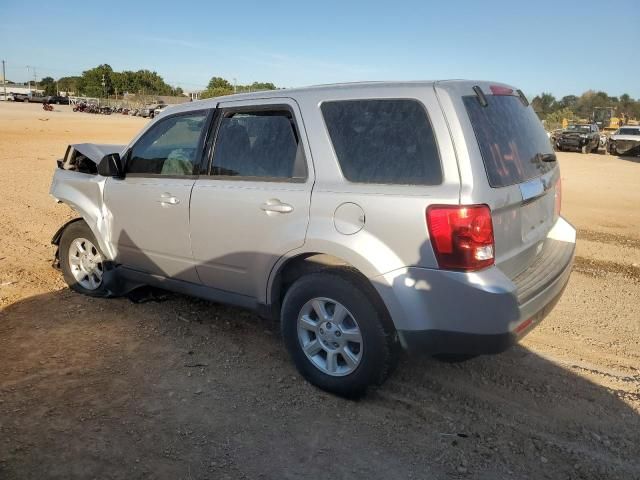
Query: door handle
point(276, 206)
point(168, 199)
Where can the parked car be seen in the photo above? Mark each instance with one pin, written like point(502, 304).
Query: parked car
point(582, 137)
point(57, 99)
point(23, 97)
point(147, 111)
point(428, 219)
point(625, 141)
point(20, 97)
point(159, 109)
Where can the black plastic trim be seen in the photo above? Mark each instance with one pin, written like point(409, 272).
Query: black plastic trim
point(125, 279)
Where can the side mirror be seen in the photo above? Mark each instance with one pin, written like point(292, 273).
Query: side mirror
point(111, 166)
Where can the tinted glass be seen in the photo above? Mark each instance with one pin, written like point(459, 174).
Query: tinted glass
point(383, 141)
point(629, 131)
point(170, 148)
point(258, 144)
point(579, 128)
point(511, 139)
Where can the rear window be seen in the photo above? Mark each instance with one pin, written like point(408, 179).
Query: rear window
point(383, 141)
point(511, 139)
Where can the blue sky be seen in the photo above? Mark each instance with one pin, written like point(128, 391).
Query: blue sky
point(563, 47)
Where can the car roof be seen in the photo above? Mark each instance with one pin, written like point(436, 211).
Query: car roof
point(325, 89)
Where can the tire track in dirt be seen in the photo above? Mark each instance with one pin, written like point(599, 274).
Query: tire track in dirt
point(610, 238)
point(598, 268)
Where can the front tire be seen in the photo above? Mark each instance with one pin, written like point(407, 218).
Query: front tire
point(337, 334)
point(81, 260)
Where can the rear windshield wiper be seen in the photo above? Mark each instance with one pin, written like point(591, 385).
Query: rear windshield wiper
point(546, 157)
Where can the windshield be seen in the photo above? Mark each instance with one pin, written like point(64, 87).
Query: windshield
point(579, 128)
point(511, 138)
point(629, 131)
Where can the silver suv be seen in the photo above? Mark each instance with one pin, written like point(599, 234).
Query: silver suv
point(366, 217)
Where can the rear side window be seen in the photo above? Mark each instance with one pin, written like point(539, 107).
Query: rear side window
point(262, 144)
point(511, 139)
point(383, 141)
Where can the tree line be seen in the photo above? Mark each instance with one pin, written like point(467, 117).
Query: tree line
point(103, 81)
point(574, 107)
point(219, 87)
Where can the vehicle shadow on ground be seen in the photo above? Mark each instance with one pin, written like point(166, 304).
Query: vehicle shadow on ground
point(635, 159)
point(183, 388)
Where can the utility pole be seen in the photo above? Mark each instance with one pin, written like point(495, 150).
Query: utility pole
point(235, 85)
point(104, 89)
point(4, 81)
point(28, 77)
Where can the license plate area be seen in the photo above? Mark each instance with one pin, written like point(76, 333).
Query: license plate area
point(535, 218)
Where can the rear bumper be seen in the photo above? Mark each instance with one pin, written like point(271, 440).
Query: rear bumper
point(442, 341)
point(438, 311)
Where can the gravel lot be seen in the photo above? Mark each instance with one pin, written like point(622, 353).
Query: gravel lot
point(181, 388)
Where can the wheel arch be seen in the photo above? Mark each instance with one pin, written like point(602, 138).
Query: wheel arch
point(291, 268)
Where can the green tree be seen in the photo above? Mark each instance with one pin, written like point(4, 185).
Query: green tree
point(554, 119)
point(69, 85)
point(219, 82)
point(48, 84)
point(91, 82)
point(544, 104)
point(219, 87)
point(216, 92)
point(568, 101)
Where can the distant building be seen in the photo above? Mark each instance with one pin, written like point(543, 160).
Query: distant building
point(194, 95)
point(17, 88)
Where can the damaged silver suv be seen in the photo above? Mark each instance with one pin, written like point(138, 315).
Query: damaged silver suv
point(366, 217)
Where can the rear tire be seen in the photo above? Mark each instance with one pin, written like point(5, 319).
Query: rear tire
point(338, 336)
point(81, 260)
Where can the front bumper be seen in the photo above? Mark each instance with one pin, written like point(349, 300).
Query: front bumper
point(625, 148)
point(437, 311)
point(573, 142)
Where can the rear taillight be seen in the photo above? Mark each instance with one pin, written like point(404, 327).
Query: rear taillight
point(558, 197)
point(461, 236)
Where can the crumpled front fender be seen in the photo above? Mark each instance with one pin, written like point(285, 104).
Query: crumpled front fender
point(84, 193)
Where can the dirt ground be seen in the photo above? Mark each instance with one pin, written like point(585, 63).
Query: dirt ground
point(186, 389)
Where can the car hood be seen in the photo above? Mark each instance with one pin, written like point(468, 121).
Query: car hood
point(626, 138)
point(96, 152)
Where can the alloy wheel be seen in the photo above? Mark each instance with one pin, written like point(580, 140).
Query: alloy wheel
point(86, 264)
point(330, 336)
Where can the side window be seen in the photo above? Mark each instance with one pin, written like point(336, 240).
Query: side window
point(170, 148)
point(383, 141)
point(262, 144)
